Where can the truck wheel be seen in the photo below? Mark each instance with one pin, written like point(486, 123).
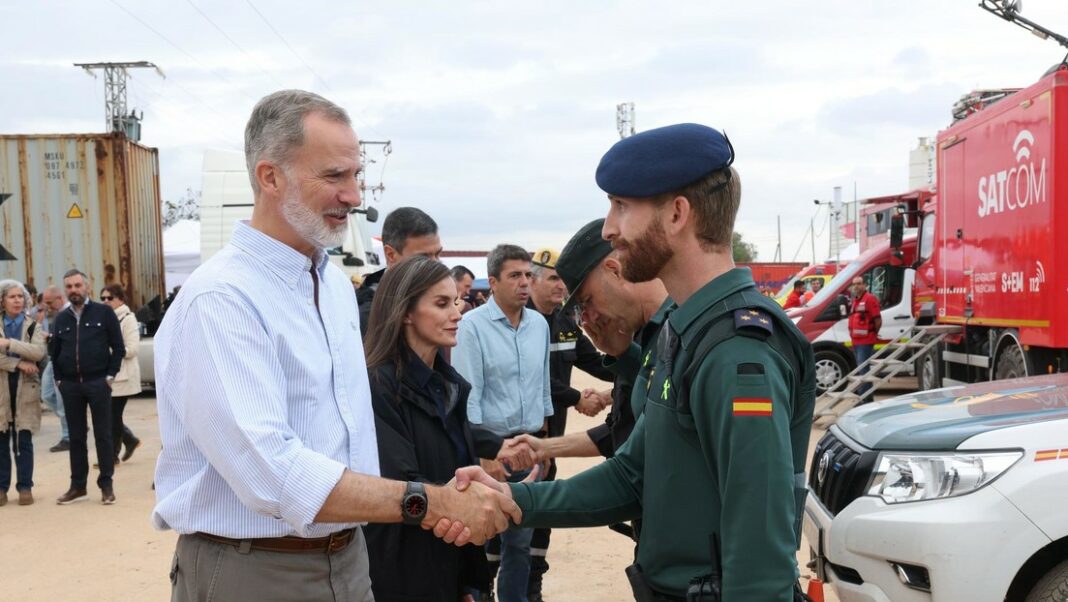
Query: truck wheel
point(831, 367)
point(1012, 363)
point(1053, 587)
point(929, 371)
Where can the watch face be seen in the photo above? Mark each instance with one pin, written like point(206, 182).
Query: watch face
point(415, 506)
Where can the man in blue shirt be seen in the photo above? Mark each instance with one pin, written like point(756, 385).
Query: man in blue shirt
point(502, 349)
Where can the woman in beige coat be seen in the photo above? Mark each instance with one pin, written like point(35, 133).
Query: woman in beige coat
point(22, 346)
point(128, 380)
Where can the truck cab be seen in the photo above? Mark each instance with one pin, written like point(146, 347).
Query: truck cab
point(945, 495)
point(825, 319)
point(227, 198)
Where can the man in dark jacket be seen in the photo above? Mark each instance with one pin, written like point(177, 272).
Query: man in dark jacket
point(406, 232)
point(86, 350)
point(568, 348)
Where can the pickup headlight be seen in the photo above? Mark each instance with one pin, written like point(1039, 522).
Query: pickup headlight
point(911, 477)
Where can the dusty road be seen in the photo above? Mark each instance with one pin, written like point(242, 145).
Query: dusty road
point(88, 551)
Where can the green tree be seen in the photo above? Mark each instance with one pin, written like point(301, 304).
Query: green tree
point(744, 252)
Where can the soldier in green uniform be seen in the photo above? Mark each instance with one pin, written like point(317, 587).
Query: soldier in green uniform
point(715, 465)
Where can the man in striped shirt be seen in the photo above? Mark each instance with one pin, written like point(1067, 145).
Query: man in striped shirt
point(269, 462)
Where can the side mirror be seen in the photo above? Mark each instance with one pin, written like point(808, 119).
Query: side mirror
point(370, 212)
point(843, 306)
point(897, 231)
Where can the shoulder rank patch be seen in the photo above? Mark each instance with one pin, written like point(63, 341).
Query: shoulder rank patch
point(752, 406)
point(753, 318)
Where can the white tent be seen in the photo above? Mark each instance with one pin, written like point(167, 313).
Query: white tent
point(181, 252)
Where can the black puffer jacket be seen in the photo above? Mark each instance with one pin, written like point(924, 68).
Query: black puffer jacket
point(414, 444)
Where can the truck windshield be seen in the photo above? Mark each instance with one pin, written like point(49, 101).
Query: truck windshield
point(838, 285)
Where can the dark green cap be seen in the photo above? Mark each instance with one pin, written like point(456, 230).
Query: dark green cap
point(580, 256)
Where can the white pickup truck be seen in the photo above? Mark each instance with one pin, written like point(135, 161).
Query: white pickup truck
point(956, 494)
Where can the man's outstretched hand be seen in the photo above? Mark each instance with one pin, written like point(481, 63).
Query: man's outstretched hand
point(471, 514)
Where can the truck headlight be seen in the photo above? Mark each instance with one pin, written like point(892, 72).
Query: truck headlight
point(912, 477)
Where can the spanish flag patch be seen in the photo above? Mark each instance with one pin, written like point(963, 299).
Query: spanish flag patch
point(752, 406)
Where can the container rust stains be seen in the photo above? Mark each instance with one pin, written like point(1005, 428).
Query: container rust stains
point(89, 201)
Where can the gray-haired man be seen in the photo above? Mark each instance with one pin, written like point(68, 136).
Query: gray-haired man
point(270, 460)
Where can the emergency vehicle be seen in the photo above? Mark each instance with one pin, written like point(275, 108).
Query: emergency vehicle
point(992, 244)
point(947, 495)
point(825, 319)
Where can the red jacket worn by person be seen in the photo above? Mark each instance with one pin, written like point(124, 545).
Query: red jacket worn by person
point(864, 320)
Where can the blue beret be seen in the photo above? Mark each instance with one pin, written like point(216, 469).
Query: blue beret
point(663, 160)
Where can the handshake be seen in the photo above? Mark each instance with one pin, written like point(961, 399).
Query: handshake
point(472, 507)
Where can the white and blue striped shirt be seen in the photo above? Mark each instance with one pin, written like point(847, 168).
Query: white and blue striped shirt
point(263, 400)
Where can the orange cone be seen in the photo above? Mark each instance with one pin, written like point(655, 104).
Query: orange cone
point(815, 589)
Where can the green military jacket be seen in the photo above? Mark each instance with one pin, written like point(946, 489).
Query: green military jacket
point(732, 463)
point(632, 368)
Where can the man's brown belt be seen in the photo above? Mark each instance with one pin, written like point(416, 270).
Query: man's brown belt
point(335, 542)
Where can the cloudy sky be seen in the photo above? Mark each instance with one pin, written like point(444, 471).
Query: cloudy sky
point(499, 111)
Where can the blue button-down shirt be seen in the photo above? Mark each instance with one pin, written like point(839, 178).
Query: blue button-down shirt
point(508, 369)
point(263, 399)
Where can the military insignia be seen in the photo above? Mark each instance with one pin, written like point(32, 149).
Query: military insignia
point(648, 355)
point(667, 388)
point(751, 406)
point(751, 318)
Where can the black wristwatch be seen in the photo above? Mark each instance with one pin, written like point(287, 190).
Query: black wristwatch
point(414, 503)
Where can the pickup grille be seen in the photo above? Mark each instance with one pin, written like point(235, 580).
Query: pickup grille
point(846, 474)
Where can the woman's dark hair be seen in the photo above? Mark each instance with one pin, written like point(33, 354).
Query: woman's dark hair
point(398, 293)
point(116, 291)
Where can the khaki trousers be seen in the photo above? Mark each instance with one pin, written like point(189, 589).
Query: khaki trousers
point(206, 571)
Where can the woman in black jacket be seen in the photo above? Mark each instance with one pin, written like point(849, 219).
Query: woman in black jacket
point(420, 406)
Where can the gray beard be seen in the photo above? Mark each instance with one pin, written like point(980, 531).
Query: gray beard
point(310, 225)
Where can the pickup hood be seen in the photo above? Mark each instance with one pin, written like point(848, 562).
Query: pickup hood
point(944, 418)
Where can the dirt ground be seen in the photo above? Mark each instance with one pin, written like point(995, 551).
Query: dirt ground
point(87, 551)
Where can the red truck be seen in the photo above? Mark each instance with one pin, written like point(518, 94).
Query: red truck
point(993, 242)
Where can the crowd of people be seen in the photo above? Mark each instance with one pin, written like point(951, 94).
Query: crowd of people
point(77, 357)
point(397, 440)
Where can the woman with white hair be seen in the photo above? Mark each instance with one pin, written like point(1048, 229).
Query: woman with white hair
point(22, 346)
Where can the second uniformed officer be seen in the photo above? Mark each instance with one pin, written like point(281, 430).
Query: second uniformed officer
point(715, 465)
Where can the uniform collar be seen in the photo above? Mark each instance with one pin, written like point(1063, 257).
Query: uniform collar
point(285, 261)
point(661, 314)
point(709, 295)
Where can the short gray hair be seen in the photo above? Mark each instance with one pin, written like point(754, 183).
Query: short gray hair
point(5, 288)
point(276, 126)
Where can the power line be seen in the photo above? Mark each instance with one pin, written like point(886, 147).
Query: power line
point(277, 33)
point(231, 40)
point(183, 50)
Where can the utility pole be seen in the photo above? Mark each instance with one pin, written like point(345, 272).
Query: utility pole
point(778, 246)
point(387, 150)
point(115, 75)
point(625, 119)
point(812, 235)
